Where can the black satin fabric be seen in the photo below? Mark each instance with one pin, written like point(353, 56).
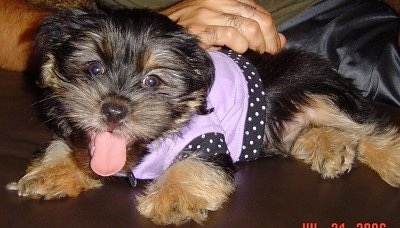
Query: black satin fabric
point(360, 35)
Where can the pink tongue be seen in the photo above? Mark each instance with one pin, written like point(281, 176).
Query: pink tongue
point(108, 153)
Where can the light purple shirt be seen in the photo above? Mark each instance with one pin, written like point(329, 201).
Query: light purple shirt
point(228, 97)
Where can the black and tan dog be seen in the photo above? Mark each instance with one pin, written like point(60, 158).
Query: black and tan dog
point(131, 93)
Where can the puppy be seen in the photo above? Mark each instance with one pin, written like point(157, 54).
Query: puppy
point(131, 93)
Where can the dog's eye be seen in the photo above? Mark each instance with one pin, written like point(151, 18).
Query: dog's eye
point(95, 68)
point(151, 81)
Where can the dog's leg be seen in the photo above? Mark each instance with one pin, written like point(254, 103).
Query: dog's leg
point(333, 140)
point(304, 91)
point(55, 175)
point(327, 150)
point(381, 152)
point(186, 191)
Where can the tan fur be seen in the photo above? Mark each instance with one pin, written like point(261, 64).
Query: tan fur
point(323, 112)
point(320, 112)
point(54, 176)
point(327, 150)
point(381, 152)
point(49, 77)
point(333, 140)
point(187, 190)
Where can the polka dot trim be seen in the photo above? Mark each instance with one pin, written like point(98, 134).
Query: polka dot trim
point(256, 115)
point(210, 143)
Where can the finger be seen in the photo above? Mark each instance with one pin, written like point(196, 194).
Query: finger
point(240, 28)
point(212, 36)
point(246, 17)
point(250, 29)
point(231, 30)
point(282, 40)
point(234, 31)
point(249, 13)
point(273, 42)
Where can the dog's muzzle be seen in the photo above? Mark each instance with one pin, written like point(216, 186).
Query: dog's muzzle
point(113, 114)
point(107, 148)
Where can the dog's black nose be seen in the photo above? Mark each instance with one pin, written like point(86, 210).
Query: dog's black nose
point(114, 112)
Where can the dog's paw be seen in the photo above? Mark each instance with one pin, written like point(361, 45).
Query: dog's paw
point(54, 175)
point(53, 182)
point(174, 205)
point(327, 150)
point(339, 161)
point(186, 191)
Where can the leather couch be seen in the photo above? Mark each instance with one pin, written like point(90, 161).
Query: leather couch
point(270, 192)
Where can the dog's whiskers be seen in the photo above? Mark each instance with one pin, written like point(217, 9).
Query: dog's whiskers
point(44, 100)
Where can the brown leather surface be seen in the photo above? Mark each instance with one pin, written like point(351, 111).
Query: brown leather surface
point(270, 192)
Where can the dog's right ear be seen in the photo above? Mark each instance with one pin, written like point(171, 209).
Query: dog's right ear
point(53, 38)
point(57, 29)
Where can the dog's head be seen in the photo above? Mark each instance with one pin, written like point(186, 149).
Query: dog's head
point(120, 78)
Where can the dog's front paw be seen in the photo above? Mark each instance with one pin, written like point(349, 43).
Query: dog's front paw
point(174, 205)
point(187, 191)
point(329, 151)
point(52, 183)
point(53, 176)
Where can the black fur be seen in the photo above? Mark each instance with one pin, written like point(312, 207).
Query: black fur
point(291, 76)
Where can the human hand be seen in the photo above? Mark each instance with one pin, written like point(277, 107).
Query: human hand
point(237, 24)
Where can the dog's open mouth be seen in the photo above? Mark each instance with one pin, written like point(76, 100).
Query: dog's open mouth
point(108, 151)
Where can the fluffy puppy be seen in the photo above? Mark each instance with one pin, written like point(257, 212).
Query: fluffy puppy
point(131, 93)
